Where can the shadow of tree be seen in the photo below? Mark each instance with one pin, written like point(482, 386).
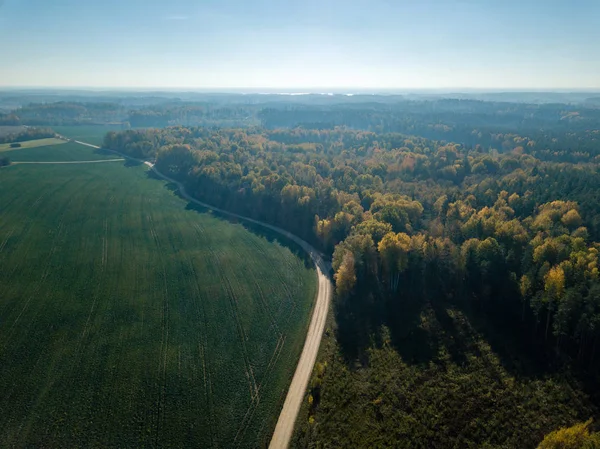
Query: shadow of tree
point(415, 344)
point(358, 320)
point(132, 163)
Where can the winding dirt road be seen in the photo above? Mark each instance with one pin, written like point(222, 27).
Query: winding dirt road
point(295, 395)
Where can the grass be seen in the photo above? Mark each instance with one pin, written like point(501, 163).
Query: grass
point(93, 134)
point(32, 144)
point(441, 384)
point(67, 151)
point(128, 319)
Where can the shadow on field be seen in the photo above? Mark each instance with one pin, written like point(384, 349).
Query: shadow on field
point(269, 235)
point(169, 185)
point(132, 163)
point(127, 163)
point(256, 229)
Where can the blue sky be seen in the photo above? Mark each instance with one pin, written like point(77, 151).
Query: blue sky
point(534, 44)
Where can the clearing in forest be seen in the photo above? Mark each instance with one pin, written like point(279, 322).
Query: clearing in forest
point(93, 134)
point(127, 319)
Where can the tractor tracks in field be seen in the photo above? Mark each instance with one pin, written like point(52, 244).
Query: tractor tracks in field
point(203, 349)
point(295, 395)
point(164, 341)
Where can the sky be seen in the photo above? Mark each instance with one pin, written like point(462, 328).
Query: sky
point(290, 45)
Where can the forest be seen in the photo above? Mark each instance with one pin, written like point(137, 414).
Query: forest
point(462, 118)
point(463, 235)
point(23, 135)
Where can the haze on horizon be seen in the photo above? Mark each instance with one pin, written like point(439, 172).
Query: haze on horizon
point(376, 44)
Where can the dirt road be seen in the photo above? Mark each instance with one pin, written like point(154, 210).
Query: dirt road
point(68, 162)
point(295, 395)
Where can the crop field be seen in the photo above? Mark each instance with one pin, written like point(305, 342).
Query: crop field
point(66, 151)
point(32, 144)
point(93, 134)
point(129, 319)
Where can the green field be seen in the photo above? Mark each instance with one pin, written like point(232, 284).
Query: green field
point(68, 151)
point(93, 134)
point(32, 144)
point(128, 319)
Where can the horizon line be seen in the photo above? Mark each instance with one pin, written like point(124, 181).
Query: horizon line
point(314, 89)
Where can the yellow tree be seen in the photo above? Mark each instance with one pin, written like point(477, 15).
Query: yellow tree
point(554, 286)
point(393, 251)
point(571, 219)
point(324, 231)
point(345, 277)
point(574, 437)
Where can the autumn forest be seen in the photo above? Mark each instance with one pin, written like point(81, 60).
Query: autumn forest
point(464, 240)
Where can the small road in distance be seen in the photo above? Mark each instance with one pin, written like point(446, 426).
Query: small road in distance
point(68, 162)
point(295, 395)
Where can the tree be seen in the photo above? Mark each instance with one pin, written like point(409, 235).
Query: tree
point(393, 251)
point(571, 219)
point(345, 276)
point(577, 436)
point(554, 286)
point(563, 315)
point(324, 231)
point(376, 229)
point(525, 288)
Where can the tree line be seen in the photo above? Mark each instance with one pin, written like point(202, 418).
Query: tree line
point(27, 134)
